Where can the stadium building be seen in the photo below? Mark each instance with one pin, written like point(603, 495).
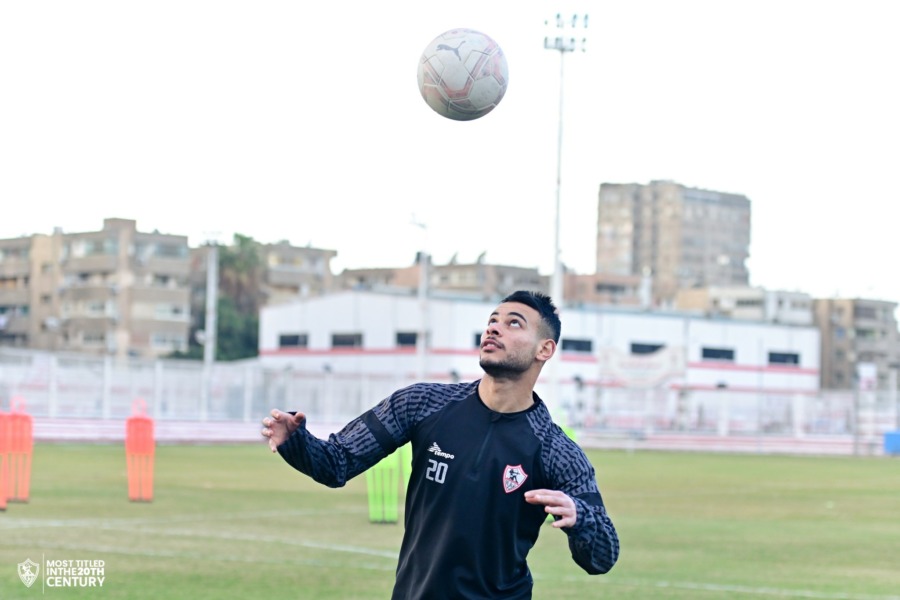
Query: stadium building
point(614, 363)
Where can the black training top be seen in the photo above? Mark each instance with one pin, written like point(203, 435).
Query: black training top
point(468, 526)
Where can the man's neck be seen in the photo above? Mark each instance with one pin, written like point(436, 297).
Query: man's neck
point(506, 395)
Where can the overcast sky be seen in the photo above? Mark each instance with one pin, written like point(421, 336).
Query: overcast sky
point(286, 120)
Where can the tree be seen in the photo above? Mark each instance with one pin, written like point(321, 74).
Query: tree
point(240, 298)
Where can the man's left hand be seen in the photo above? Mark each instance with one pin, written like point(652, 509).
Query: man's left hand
point(557, 503)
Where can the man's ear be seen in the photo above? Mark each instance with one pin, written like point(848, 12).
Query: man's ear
point(546, 349)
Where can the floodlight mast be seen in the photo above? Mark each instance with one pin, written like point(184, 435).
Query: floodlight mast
point(562, 40)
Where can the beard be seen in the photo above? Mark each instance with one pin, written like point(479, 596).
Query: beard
point(509, 368)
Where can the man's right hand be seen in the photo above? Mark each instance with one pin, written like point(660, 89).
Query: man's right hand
point(279, 426)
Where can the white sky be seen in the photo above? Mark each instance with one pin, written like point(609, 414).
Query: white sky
point(302, 121)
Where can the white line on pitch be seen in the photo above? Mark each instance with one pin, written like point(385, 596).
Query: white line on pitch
point(729, 588)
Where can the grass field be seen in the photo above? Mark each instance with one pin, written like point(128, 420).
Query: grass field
point(236, 522)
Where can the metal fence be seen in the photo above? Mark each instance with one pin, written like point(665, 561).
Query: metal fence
point(82, 387)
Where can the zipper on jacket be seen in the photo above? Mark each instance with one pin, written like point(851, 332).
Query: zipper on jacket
point(484, 444)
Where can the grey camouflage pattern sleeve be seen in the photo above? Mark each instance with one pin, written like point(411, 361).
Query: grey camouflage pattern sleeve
point(368, 438)
point(334, 461)
point(593, 540)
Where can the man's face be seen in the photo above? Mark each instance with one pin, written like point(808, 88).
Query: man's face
point(509, 344)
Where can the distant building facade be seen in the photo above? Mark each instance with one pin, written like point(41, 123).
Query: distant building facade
point(29, 302)
point(857, 332)
point(485, 281)
point(686, 237)
point(606, 289)
point(117, 291)
point(478, 280)
point(286, 272)
point(123, 292)
point(292, 271)
point(748, 303)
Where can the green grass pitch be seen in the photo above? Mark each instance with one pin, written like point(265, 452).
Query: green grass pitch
point(237, 522)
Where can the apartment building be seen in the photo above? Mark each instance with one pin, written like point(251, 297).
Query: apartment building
point(285, 271)
point(29, 305)
point(292, 271)
point(606, 289)
point(857, 332)
point(117, 291)
point(748, 304)
point(686, 237)
point(479, 280)
point(484, 280)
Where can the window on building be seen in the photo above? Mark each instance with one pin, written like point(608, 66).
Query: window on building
point(50, 324)
point(407, 338)
point(574, 345)
point(643, 348)
point(726, 354)
point(864, 312)
point(346, 340)
point(477, 338)
point(93, 338)
point(170, 341)
point(293, 340)
point(171, 251)
point(166, 310)
point(784, 358)
point(13, 339)
point(95, 247)
point(610, 288)
point(14, 254)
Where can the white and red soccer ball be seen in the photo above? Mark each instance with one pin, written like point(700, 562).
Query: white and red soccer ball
point(463, 74)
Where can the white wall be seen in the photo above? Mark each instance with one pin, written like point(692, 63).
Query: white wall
point(453, 325)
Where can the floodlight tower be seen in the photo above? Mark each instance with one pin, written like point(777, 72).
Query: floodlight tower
point(570, 35)
point(565, 38)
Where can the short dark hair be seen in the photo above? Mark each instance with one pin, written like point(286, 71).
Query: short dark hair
point(544, 306)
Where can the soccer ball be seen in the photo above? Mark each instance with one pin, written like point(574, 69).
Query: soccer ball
point(463, 74)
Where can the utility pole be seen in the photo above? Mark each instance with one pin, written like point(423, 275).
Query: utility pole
point(210, 337)
point(422, 333)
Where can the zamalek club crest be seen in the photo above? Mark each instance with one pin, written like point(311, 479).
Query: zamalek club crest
point(28, 571)
point(513, 478)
